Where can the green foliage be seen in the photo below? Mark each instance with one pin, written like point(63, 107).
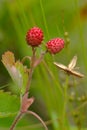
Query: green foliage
point(24, 75)
point(9, 104)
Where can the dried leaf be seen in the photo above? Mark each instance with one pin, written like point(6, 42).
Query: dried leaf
point(8, 58)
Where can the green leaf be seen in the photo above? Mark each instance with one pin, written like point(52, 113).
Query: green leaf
point(24, 75)
point(17, 70)
point(9, 104)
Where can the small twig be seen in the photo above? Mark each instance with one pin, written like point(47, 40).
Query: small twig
point(16, 120)
point(38, 125)
point(38, 117)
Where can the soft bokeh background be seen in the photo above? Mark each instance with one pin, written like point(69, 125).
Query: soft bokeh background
point(55, 18)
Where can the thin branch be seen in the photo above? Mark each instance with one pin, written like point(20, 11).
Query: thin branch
point(38, 125)
point(34, 114)
point(16, 120)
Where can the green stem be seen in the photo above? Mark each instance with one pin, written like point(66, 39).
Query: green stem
point(65, 102)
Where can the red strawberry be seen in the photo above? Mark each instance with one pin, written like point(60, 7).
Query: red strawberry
point(34, 36)
point(55, 45)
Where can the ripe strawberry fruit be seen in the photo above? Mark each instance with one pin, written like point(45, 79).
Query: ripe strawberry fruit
point(34, 36)
point(55, 45)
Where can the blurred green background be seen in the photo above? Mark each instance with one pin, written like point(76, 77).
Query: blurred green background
point(55, 18)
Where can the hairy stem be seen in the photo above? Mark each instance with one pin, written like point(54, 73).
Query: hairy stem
point(16, 120)
point(34, 114)
point(31, 70)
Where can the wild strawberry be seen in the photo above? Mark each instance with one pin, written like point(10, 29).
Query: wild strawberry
point(55, 45)
point(34, 36)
